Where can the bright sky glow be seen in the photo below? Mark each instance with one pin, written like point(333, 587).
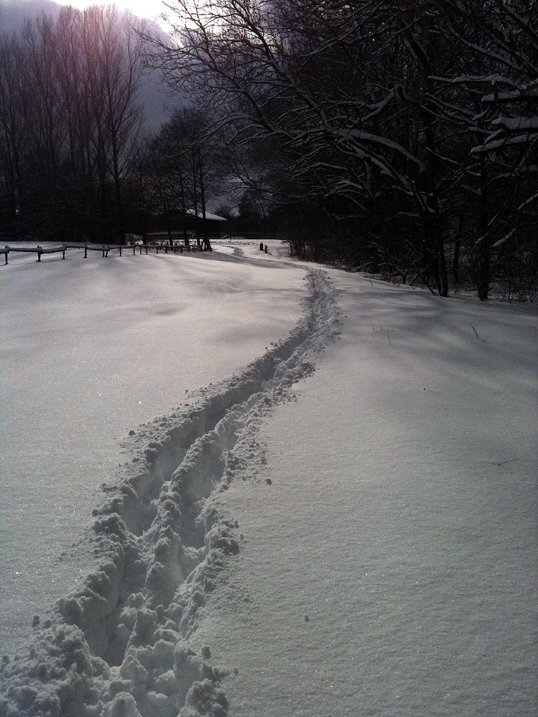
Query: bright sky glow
point(150, 9)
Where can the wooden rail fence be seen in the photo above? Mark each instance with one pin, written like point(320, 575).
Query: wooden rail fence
point(104, 248)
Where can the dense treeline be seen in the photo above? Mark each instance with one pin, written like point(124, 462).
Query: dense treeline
point(394, 135)
point(69, 124)
point(180, 169)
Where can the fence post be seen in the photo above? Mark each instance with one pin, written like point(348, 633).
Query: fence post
point(63, 253)
point(6, 253)
point(120, 250)
point(39, 252)
point(85, 251)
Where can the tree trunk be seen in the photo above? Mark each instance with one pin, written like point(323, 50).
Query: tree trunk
point(482, 273)
point(457, 250)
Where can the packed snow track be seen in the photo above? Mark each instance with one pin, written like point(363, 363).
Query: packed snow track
point(120, 644)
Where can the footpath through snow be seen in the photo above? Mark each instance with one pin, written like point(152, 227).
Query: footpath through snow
point(120, 644)
point(360, 543)
point(89, 349)
point(390, 566)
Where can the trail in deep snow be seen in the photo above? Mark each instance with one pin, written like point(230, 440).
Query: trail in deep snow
point(120, 644)
point(390, 569)
point(90, 348)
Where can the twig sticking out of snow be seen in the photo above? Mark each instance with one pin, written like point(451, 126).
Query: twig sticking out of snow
point(475, 332)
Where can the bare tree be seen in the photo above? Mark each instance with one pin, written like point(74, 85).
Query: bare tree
point(376, 112)
point(496, 82)
point(13, 131)
point(70, 86)
point(184, 166)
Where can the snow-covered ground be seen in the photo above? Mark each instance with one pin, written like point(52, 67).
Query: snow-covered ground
point(358, 540)
point(90, 348)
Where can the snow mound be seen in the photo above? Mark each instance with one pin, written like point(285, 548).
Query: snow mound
point(119, 646)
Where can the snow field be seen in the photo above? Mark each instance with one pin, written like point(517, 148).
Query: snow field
point(390, 566)
point(361, 543)
point(89, 349)
point(119, 644)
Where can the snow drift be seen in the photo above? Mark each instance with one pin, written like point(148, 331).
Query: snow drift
point(120, 644)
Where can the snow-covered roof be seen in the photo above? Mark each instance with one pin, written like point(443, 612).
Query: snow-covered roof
point(208, 215)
